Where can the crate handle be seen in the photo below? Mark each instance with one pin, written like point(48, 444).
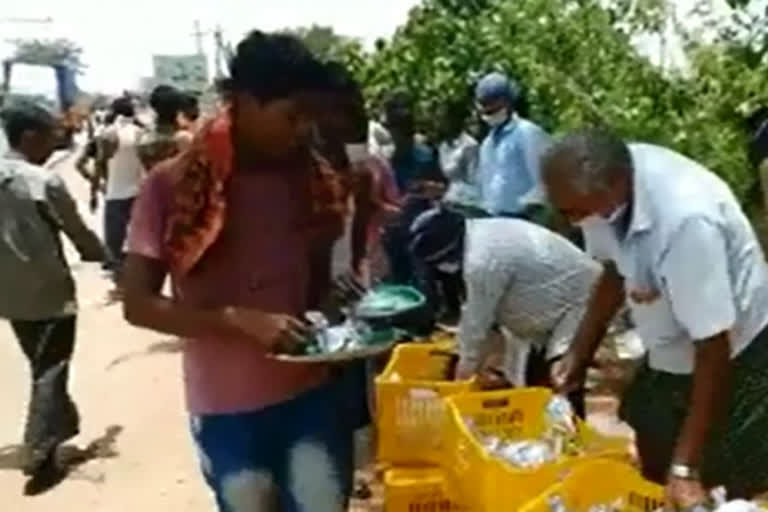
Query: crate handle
point(443, 353)
point(495, 403)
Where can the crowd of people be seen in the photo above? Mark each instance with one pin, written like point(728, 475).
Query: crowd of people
point(255, 212)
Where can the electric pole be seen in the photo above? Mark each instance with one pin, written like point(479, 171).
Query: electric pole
point(219, 41)
point(198, 35)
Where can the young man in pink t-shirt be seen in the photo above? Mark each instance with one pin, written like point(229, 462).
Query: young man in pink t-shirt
point(235, 243)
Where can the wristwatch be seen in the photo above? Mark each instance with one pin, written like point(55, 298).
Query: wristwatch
point(683, 472)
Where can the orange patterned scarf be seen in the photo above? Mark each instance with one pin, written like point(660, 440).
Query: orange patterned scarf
point(199, 207)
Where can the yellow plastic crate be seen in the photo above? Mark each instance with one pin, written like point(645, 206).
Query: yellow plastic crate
point(418, 490)
point(410, 405)
point(487, 483)
point(601, 482)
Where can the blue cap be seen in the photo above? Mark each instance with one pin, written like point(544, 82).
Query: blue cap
point(495, 86)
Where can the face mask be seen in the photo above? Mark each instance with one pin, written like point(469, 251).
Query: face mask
point(388, 151)
point(617, 214)
point(589, 220)
point(449, 267)
point(496, 119)
point(356, 153)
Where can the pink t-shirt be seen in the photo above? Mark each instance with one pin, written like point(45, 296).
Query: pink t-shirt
point(259, 261)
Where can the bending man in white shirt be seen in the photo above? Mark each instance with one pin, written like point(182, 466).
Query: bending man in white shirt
point(678, 246)
point(520, 277)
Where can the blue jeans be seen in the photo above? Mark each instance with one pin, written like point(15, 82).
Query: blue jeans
point(296, 456)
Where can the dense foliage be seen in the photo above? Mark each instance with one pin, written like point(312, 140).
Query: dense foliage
point(49, 52)
point(577, 61)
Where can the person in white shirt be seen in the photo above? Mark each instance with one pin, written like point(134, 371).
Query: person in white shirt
point(118, 148)
point(520, 277)
point(458, 153)
point(677, 245)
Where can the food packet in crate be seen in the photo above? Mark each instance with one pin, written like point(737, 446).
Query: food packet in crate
point(527, 454)
point(562, 430)
point(560, 414)
point(556, 504)
point(616, 506)
point(489, 442)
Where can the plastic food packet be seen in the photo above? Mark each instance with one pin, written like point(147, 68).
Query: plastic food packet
point(526, 454)
point(563, 429)
point(560, 414)
point(616, 506)
point(556, 504)
point(560, 438)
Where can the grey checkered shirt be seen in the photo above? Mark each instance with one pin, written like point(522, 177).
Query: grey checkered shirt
point(524, 278)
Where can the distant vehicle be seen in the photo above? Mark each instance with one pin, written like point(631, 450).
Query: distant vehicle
point(51, 85)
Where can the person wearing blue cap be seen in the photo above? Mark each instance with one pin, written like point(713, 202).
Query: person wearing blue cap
point(509, 158)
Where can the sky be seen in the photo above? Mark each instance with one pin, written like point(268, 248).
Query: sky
point(119, 38)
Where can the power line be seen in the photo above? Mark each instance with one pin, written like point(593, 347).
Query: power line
point(45, 20)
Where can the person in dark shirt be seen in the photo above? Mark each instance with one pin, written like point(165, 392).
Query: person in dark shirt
point(419, 179)
point(38, 291)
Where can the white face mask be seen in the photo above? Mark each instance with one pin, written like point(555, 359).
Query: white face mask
point(356, 153)
point(449, 267)
point(589, 220)
point(618, 213)
point(496, 119)
point(388, 151)
point(615, 215)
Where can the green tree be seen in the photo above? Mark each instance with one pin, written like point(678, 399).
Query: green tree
point(579, 65)
point(323, 41)
point(49, 52)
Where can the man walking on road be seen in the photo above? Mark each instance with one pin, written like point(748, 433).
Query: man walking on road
point(118, 149)
point(38, 292)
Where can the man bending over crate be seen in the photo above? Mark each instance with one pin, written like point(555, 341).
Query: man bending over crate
point(523, 280)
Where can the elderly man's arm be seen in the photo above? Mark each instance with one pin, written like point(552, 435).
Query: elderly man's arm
point(695, 271)
point(605, 300)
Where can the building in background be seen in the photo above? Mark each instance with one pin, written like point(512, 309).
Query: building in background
point(188, 73)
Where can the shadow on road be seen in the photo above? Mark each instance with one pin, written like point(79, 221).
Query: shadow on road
point(161, 347)
point(69, 456)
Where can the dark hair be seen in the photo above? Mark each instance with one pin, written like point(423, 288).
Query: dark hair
point(166, 101)
point(123, 106)
point(190, 107)
point(437, 235)
point(271, 66)
point(340, 82)
point(398, 110)
point(455, 115)
point(398, 100)
point(223, 86)
point(24, 117)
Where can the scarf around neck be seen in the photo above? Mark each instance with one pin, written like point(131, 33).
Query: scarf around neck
point(199, 208)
